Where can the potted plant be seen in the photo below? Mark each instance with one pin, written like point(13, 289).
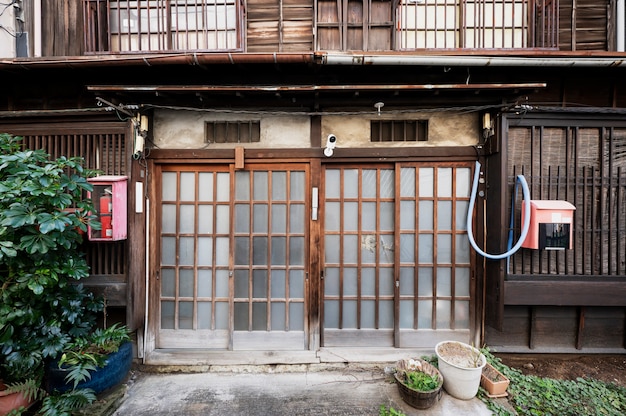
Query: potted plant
point(461, 366)
point(43, 307)
point(419, 382)
point(493, 381)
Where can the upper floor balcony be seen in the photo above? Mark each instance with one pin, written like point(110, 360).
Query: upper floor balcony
point(88, 27)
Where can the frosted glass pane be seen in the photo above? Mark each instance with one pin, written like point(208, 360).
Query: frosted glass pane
point(242, 251)
point(279, 186)
point(368, 248)
point(296, 316)
point(205, 283)
point(350, 183)
point(223, 187)
point(350, 248)
point(407, 248)
point(168, 283)
point(222, 222)
point(462, 249)
point(222, 248)
point(331, 282)
point(349, 314)
point(426, 182)
point(387, 283)
point(279, 218)
point(277, 284)
point(168, 222)
point(167, 315)
point(241, 284)
point(462, 281)
point(332, 215)
point(368, 281)
point(443, 314)
point(297, 186)
point(368, 314)
point(424, 314)
point(444, 248)
point(331, 314)
point(332, 183)
point(221, 283)
point(168, 187)
point(296, 251)
point(368, 216)
point(259, 284)
point(407, 215)
point(205, 186)
point(260, 186)
point(185, 283)
point(386, 249)
point(259, 250)
point(426, 215)
point(242, 186)
point(279, 250)
point(296, 218)
point(406, 314)
point(444, 215)
point(221, 315)
point(187, 219)
point(278, 316)
point(461, 215)
point(425, 282)
point(463, 182)
point(168, 251)
point(370, 186)
point(296, 284)
point(187, 186)
point(385, 318)
point(444, 281)
point(204, 315)
point(331, 252)
point(407, 281)
point(407, 182)
point(185, 315)
point(205, 219)
point(241, 316)
point(259, 316)
point(444, 182)
point(350, 216)
point(387, 216)
point(186, 251)
point(387, 183)
point(425, 248)
point(242, 218)
point(461, 314)
point(205, 251)
point(260, 218)
point(350, 284)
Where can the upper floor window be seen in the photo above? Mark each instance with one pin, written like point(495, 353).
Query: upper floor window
point(161, 25)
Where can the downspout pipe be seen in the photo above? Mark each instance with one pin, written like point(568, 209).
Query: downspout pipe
point(621, 26)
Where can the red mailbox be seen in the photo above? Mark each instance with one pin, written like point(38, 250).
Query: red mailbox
point(551, 225)
point(109, 197)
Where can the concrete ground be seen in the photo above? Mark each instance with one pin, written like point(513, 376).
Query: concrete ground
point(308, 390)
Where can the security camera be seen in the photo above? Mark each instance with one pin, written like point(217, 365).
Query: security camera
point(331, 142)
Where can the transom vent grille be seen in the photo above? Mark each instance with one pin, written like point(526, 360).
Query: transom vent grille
point(399, 131)
point(232, 131)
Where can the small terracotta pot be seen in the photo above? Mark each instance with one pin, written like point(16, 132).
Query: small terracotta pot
point(493, 381)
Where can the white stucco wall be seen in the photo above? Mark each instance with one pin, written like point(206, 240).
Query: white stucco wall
point(184, 129)
point(7, 41)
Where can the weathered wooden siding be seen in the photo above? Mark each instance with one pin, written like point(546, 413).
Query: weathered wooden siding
point(584, 25)
point(279, 25)
point(62, 28)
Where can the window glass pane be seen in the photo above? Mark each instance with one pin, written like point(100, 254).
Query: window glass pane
point(222, 249)
point(350, 248)
point(387, 285)
point(296, 316)
point(242, 186)
point(444, 215)
point(426, 215)
point(205, 186)
point(279, 186)
point(279, 250)
point(407, 215)
point(260, 218)
point(407, 182)
point(205, 251)
point(242, 251)
point(461, 215)
point(332, 216)
point(349, 314)
point(444, 248)
point(296, 284)
point(368, 281)
point(350, 216)
point(185, 283)
point(424, 314)
point(204, 315)
point(296, 251)
point(332, 183)
point(259, 250)
point(331, 314)
point(368, 314)
point(368, 216)
point(407, 281)
point(331, 281)
point(241, 284)
point(260, 186)
point(387, 216)
point(368, 248)
point(205, 219)
point(351, 183)
point(463, 182)
point(221, 315)
point(370, 186)
point(185, 315)
point(221, 283)
point(205, 283)
point(350, 284)
point(331, 249)
point(406, 314)
point(259, 316)
point(222, 225)
point(278, 316)
point(386, 249)
point(407, 248)
point(297, 186)
point(168, 188)
point(223, 187)
point(167, 315)
point(462, 249)
point(168, 283)
point(241, 316)
point(259, 284)
point(387, 183)
point(186, 251)
point(461, 314)
point(426, 182)
point(444, 182)
point(443, 314)
point(425, 282)
point(385, 318)
point(168, 251)
point(462, 281)
point(187, 186)
point(444, 281)
point(187, 219)
point(242, 218)
point(168, 219)
point(279, 218)
point(425, 248)
point(296, 218)
point(278, 284)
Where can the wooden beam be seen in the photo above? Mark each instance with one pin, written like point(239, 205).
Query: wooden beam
point(565, 292)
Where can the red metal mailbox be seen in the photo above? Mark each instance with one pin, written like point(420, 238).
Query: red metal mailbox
point(551, 225)
point(109, 197)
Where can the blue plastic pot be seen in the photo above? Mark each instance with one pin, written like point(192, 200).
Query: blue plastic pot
point(112, 374)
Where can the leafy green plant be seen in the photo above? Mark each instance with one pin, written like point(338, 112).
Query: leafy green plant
point(389, 411)
point(537, 396)
point(421, 381)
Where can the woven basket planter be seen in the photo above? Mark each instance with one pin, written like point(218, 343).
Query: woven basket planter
point(417, 398)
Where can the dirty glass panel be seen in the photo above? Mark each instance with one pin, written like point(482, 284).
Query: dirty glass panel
point(279, 186)
point(370, 185)
point(187, 186)
point(462, 281)
point(387, 183)
point(296, 251)
point(242, 186)
point(222, 248)
point(426, 215)
point(167, 315)
point(387, 216)
point(351, 217)
point(385, 318)
point(259, 284)
point(444, 281)
point(278, 284)
point(204, 315)
point(425, 242)
point(241, 283)
point(259, 316)
point(185, 315)
point(221, 283)
point(444, 182)
point(425, 282)
point(242, 251)
point(260, 218)
point(426, 182)
point(187, 219)
point(351, 183)
point(350, 248)
point(368, 314)
point(424, 314)
point(279, 250)
point(279, 316)
point(407, 215)
point(205, 186)
point(461, 215)
point(259, 250)
point(331, 281)
point(241, 316)
point(461, 314)
point(407, 182)
point(386, 286)
point(406, 313)
point(297, 186)
point(331, 253)
point(168, 283)
point(444, 215)
point(462, 249)
point(279, 218)
point(296, 218)
point(350, 284)
point(223, 187)
point(444, 248)
point(205, 219)
point(296, 316)
point(407, 281)
point(368, 215)
point(168, 222)
point(205, 283)
point(331, 314)
point(386, 249)
point(349, 314)
point(168, 251)
point(186, 251)
point(169, 186)
point(368, 281)
point(368, 248)
point(221, 315)
point(332, 216)
point(261, 185)
point(296, 284)
point(463, 182)
point(407, 248)
point(222, 221)
point(332, 183)
point(242, 218)
point(185, 283)
point(443, 314)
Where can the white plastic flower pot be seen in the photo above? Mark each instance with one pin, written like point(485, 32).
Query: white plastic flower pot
point(460, 365)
